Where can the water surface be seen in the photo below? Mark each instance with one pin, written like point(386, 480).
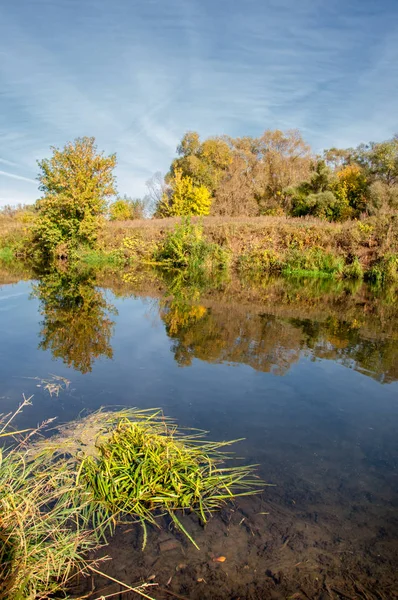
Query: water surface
point(306, 374)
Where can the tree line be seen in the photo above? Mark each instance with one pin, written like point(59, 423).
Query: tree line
point(278, 174)
point(274, 174)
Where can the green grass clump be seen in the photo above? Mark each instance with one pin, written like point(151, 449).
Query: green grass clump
point(354, 270)
point(98, 258)
point(42, 541)
point(185, 247)
point(147, 468)
point(61, 496)
point(314, 262)
point(6, 255)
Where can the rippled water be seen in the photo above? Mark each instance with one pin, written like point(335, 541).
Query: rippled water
point(307, 374)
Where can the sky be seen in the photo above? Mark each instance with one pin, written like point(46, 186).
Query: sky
point(138, 74)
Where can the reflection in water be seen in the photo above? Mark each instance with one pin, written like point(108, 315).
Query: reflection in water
point(77, 326)
point(272, 343)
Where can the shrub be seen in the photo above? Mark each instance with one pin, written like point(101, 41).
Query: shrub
point(353, 270)
point(384, 270)
point(6, 254)
point(186, 248)
point(258, 260)
point(324, 205)
point(126, 209)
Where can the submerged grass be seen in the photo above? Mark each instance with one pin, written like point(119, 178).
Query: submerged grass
point(149, 467)
point(61, 497)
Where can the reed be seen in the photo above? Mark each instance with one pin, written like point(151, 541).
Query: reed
point(62, 496)
point(148, 467)
point(42, 543)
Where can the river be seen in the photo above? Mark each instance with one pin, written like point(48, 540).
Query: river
point(306, 372)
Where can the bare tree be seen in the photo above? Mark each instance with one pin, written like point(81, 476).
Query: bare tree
point(157, 188)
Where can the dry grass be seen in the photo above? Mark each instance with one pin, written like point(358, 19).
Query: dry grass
point(369, 240)
point(10, 227)
point(242, 236)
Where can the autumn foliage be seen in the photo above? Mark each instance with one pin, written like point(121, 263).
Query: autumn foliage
point(76, 182)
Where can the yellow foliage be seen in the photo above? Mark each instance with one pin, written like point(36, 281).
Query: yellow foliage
point(186, 198)
point(351, 187)
point(178, 316)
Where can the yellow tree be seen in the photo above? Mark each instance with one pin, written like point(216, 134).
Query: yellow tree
point(184, 198)
point(352, 188)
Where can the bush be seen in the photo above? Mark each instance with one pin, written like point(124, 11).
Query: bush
point(259, 260)
point(324, 205)
point(7, 255)
point(186, 248)
point(384, 270)
point(126, 209)
point(353, 270)
point(315, 261)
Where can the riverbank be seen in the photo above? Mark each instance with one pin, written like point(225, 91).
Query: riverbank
point(249, 246)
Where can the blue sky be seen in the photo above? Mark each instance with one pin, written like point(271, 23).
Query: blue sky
point(138, 74)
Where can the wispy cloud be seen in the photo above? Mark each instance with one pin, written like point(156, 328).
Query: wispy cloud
point(138, 75)
point(9, 163)
point(19, 177)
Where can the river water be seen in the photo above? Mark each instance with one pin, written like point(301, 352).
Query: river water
point(306, 372)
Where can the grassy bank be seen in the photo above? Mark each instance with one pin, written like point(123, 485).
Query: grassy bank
point(252, 246)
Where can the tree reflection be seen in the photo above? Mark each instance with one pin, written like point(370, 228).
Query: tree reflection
point(77, 324)
point(217, 331)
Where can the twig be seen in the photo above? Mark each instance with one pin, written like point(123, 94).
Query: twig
point(173, 594)
point(127, 587)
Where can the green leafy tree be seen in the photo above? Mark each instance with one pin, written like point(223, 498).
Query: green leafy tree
point(381, 161)
point(204, 162)
point(76, 183)
point(315, 196)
